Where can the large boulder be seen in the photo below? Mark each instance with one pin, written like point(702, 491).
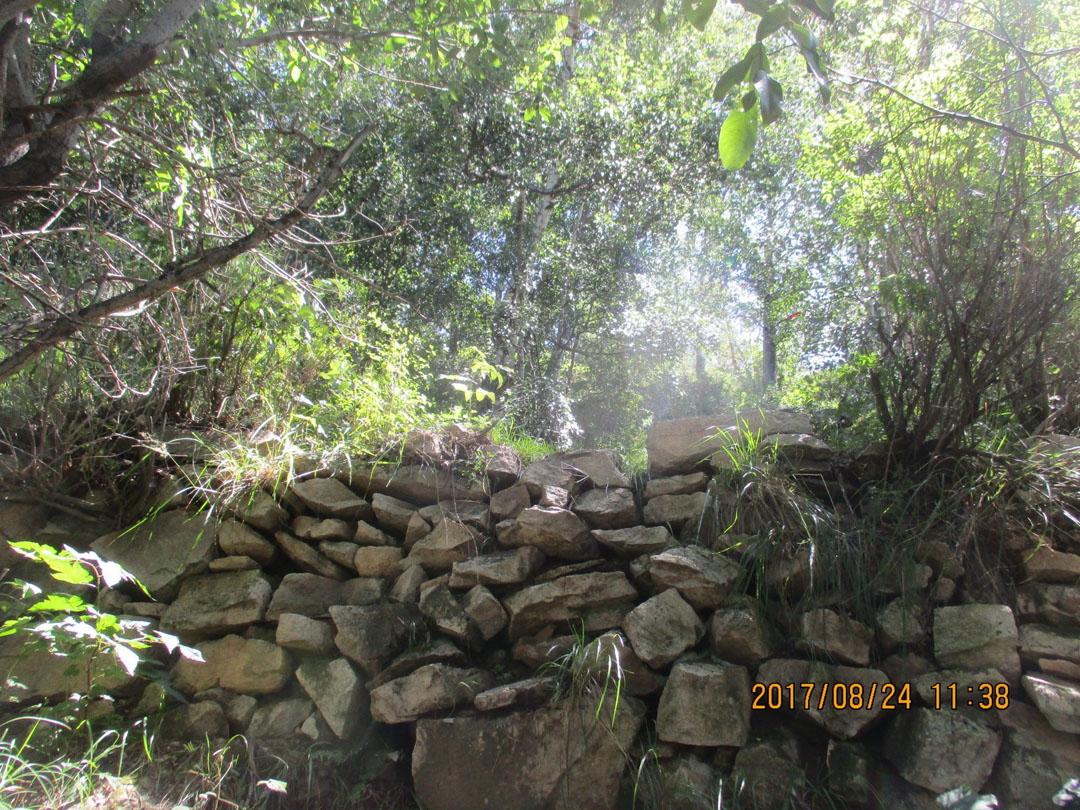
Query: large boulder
point(555, 531)
point(703, 578)
point(705, 704)
point(679, 445)
point(163, 550)
point(248, 665)
point(431, 688)
point(977, 637)
point(566, 598)
point(213, 604)
point(564, 757)
point(941, 750)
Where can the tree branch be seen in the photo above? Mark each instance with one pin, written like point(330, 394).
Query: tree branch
point(180, 272)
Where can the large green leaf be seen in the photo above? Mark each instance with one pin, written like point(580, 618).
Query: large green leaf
point(771, 95)
point(733, 76)
point(772, 21)
point(738, 136)
point(698, 12)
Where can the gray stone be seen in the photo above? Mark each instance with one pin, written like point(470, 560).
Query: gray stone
point(766, 778)
point(941, 750)
point(1058, 605)
point(826, 632)
point(376, 561)
point(679, 445)
point(1035, 760)
point(797, 446)
point(337, 693)
point(163, 550)
point(303, 634)
point(308, 558)
point(485, 612)
point(448, 543)
point(371, 635)
point(303, 525)
point(511, 567)
point(368, 535)
point(1040, 641)
point(393, 514)
point(898, 624)
point(573, 471)
point(1057, 699)
point(507, 504)
point(430, 689)
point(311, 595)
point(245, 665)
point(605, 657)
point(977, 637)
point(676, 485)
point(663, 628)
point(502, 465)
point(202, 720)
point(704, 579)
point(212, 604)
point(417, 484)
point(417, 529)
point(406, 588)
point(328, 497)
point(529, 692)
point(441, 608)
point(851, 769)
point(739, 634)
point(607, 508)
point(259, 509)
point(565, 599)
point(556, 532)
point(1046, 565)
point(635, 541)
point(572, 754)
point(33, 672)
point(675, 510)
point(705, 704)
point(225, 565)
point(340, 552)
point(934, 689)
point(331, 529)
point(280, 718)
point(236, 539)
point(474, 514)
point(439, 651)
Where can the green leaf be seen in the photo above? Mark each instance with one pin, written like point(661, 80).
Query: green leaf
point(63, 567)
point(771, 94)
point(758, 7)
point(738, 136)
point(731, 77)
point(805, 37)
point(823, 8)
point(59, 602)
point(749, 99)
point(813, 66)
point(698, 12)
point(294, 73)
point(530, 113)
point(772, 21)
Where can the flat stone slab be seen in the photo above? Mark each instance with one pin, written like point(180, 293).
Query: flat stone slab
point(213, 604)
point(561, 600)
point(512, 567)
point(635, 541)
point(679, 445)
point(977, 637)
point(703, 578)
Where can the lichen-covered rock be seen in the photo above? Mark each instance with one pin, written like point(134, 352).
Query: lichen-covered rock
point(556, 532)
point(442, 609)
point(899, 624)
point(977, 637)
point(247, 665)
point(941, 750)
point(432, 688)
point(571, 757)
point(406, 588)
point(338, 694)
point(571, 597)
point(607, 508)
point(1035, 760)
point(529, 692)
point(705, 704)
point(1041, 641)
point(663, 628)
point(826, 632)
point(213, 604)
point(163, 550)
point(370, 635)
point(328, 497)
point(703, 578)
point(305, 635)
point(377, 561)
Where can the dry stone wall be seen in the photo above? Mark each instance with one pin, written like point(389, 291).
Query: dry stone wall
point(485, 618)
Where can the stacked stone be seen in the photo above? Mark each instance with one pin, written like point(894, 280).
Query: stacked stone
point(394, 595)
